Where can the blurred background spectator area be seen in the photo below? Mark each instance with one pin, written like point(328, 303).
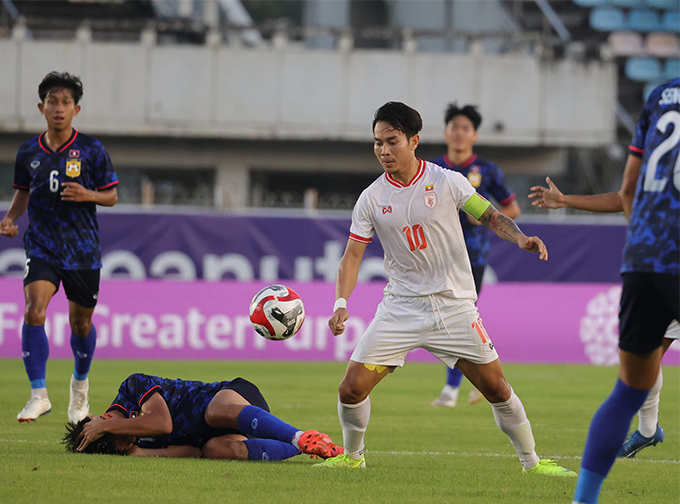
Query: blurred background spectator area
point(233, 105)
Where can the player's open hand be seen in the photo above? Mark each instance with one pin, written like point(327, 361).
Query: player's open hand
point(337, 321)
point(533, 244)
point(8, 228)
point(547, 197)
point(92, 430)
point(73, 191)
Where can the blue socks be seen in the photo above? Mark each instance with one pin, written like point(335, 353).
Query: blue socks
point(607, 433)
point(83, 351)
point(35, 350)
point(270, 450)
point(453, 376)
point(255, 422)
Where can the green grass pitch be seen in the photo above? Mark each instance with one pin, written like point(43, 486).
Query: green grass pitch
point(416, 453)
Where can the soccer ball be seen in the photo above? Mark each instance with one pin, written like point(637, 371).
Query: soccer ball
point(277, 312)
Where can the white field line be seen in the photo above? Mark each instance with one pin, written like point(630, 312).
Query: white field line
point(415, 453)
point(503, 455)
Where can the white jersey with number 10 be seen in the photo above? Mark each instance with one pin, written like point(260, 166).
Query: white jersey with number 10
point(420, 232)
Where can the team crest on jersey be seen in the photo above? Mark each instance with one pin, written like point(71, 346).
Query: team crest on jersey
point(72, 168)
point(74, 153)
point(35, 163)
point(430, 198)
point(474, 177)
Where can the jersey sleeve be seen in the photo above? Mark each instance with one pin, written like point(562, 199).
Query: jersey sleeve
point(461, 189)
point(362, 229)
point(134, 392)
point(104, 174)
point(22, 179)
point(497, 188)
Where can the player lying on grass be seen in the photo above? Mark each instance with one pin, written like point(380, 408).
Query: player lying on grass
point(159, 417)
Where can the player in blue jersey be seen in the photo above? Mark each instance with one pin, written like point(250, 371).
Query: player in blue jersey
point(649, 432)
point(488, 179)
point(650, 300)
point(158, 417)
point(60, 177)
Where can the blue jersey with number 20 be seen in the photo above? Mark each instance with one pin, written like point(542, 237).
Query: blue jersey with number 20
point(653, 231)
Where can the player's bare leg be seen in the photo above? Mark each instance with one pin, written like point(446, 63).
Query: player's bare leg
point(35, 348)
point(227, 447)
point(268, 438)
point(83, 343)
point(354, 411)
point(508, 411)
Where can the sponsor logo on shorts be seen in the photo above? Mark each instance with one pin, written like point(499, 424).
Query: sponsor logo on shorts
point(25, 354)
point(254, 423)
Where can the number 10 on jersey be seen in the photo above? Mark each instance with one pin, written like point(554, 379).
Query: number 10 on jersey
point(416, 237)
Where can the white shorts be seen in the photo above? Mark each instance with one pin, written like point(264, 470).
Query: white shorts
point(450, 329)
point(673, 331)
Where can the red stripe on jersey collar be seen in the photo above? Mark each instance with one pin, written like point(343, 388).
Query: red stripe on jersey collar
point(465, 163)
point(63, 147)
point(416, 178)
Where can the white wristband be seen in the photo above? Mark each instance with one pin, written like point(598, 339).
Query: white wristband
point(339, 303)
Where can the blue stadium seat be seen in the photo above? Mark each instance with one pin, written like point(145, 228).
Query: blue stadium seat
point(662, 4)
point(637, 4)
point(607, 19)
point(590, 3)
point(671, 21)
point(644, 20)
point(643, 69)
point(671, 70)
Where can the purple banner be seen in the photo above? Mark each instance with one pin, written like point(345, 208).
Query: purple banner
point(547, 323)
point(304, 249)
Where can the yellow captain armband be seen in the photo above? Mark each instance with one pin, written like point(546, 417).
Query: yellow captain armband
point(476, 206)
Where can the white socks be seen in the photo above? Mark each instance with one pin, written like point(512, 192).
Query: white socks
point(512, 420)
point(354, 420)
point(296, 439)
point(648, 415)
point(39, 392)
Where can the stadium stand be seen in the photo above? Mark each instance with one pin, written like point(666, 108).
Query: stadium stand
point(671, 21)
point(626, 43)
point(643, 69)
point(607, 19)
point(644, 20)
point(662, 45)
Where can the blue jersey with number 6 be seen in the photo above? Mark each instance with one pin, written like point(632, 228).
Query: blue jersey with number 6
point(64, 233)
point(653, 231)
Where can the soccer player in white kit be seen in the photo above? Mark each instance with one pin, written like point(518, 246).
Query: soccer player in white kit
point(430, 297)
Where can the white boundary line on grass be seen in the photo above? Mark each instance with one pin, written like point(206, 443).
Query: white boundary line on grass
point(504, 455)
point(423, 453)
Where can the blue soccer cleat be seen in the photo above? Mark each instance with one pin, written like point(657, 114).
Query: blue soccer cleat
point(637, 442)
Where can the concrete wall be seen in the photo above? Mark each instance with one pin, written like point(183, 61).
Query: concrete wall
point(286, 91)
